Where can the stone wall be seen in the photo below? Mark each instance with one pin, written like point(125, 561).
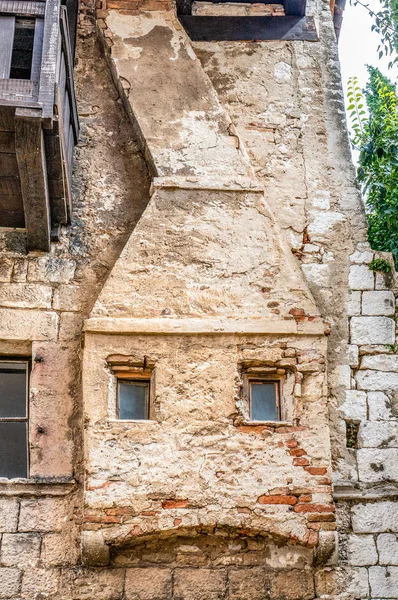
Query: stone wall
point(250, 247)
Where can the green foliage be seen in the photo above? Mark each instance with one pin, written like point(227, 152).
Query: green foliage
point(376, 138)
point(385, 23)
point(352, 430)
point(392, 347)
point(380, 264)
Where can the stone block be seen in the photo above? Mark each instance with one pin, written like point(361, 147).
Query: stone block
point(27, 324)
point(317, 275)
point(377, 464)
point(372, 330)
point(94, 550)
point(361, 278)
point(89, 584)
point(376, 380)
point(25, 295)
point(41, 583)
point(378, 303)
point(387, 546)
point(354, 406)
point(378, 517)
point(361, 550)
point(350, 582)
point(51, 269)
point(6, 266)
point(43, 514)
point(361, 257)
point(20, 549)
point(322, 227)
point(383, 281)
point(59, 550)
point(10, 582)
point(70, 326)
point(354, 304)
point(199, 584)
point(380, 407)
point(285, 557)
point(292, 585)
point(148, 584)
point(380, 362)
point(248, 584)
point(383, 582)
point(20, 270)
point(8, 514)
point(353, 356)
point(378, 434)
point(69, 297)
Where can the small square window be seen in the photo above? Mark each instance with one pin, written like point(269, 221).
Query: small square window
point(133, 399)
point(264, 400)
point(13, 419)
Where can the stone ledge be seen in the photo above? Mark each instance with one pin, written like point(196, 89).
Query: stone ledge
point(195, 326)
point(239, 184)
point(349, 491)
point(57, 486)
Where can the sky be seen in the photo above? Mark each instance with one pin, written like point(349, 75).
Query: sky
point(358, 46)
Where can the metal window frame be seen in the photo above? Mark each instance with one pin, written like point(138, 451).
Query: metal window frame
point(27, 362)
point(259, 379)
point(143, 381)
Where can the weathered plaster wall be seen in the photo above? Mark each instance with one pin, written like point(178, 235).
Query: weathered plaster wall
point(43, 301)
point(205, 282)
point(285, 104)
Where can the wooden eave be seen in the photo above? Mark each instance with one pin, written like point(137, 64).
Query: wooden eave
point(294, 25)
point(39, 127)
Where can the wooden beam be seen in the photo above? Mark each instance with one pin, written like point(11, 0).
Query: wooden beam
point(55, 171)
point(70, 84)
point(184, 7)
point(51, 43)
point(22, 7)
point(7, 28)
point(29, 144)
point(7, 142)
point(294, 8)
point(72, 7)
point(7, 114)
point(249, 29)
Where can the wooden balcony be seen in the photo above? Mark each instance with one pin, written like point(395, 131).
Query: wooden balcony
point(38, 116)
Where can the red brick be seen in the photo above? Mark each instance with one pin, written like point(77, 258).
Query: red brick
point(291, 500)
point(307, 498)
point(123, 510)
point(312, 539)
point(316, 470)
point(321, 517)
point(102, 519)
point(323, 526)
point(244, 510)
point(177, 522)
point(297, 452)
point(300, 462)
point(255, 429)
point(297, 312)
point(291, 443)
point(314, 508)
point(172, 503)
